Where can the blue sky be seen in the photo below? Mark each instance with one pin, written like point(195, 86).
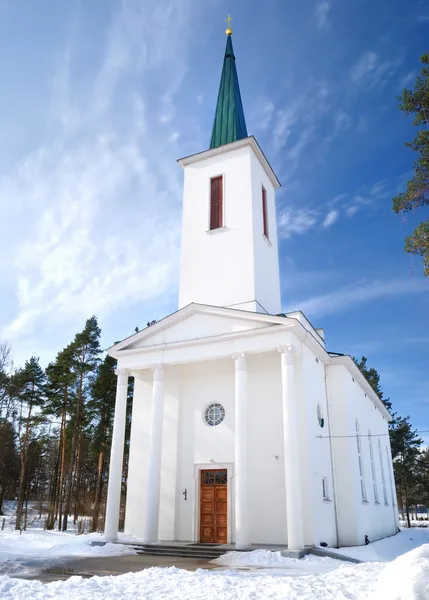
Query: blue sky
point(100, 98)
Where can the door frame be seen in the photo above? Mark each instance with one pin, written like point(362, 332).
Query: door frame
point(197, 493)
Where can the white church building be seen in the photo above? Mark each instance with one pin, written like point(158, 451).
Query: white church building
point(245, 429)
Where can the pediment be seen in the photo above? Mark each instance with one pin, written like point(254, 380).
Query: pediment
point(197, 322)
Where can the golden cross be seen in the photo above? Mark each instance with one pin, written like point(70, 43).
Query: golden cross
point(228, 20)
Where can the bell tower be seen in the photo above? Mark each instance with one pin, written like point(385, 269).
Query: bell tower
point(229, 254)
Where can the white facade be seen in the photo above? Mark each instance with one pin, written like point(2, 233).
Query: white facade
point(199, 348)
point(234, 266)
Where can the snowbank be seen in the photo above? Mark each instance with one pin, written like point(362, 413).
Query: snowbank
point(274, 560)
point(406, 578)
point(388, 548)
point(19, 552)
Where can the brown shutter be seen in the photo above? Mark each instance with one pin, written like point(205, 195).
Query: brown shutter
point(264, 211)
point(216, 202)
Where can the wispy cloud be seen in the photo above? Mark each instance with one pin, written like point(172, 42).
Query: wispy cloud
point(373, 70)
point(330, 218)
point(100, 199)
point(285, 121)
point(347, 297)
point(363, 66)
point(291, 222)
point(322, 11)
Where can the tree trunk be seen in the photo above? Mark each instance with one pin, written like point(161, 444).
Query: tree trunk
point(67, 503)
point(53, 492)
point(75, 436)
point(407, 509)
point(59, 503)
point(77, 478)
point(22, 473)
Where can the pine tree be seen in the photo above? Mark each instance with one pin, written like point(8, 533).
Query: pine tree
point(30, 381)
point(102, 406)
point(416, 102)
point(405, 465)
point(85, 357)
point(60, 390)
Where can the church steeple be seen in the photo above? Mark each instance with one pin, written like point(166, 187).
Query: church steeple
point(229, 122)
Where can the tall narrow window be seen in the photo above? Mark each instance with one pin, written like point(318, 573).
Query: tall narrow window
point(216, 202)
point(383, 480)
point(360, 460)
point(265, 212)
point(389, 468)
point(374, 478)
point(325, 490)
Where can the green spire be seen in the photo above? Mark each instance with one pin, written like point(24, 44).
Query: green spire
point(229, 123)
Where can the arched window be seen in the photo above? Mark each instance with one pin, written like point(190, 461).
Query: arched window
point(374, 478)
point(360, 460)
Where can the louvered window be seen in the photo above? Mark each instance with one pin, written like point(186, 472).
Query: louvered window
point(216, 202)
point(265, 211)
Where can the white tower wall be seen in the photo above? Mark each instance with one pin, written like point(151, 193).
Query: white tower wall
point(234, 266)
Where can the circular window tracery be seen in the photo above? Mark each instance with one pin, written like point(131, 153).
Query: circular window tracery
point(320, 416)
point(214, 414)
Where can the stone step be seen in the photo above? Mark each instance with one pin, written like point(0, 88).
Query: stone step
point(182, 551)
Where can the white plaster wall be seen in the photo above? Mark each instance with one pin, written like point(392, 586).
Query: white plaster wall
point(231, 265)
point(199, 444)
point(267, 492)
point(266, 261)
point(167, 508)
point(200, 325)
point(345, 457)
point(358, 518)
point(139, 456)
point(319, 514)
point(138, 459)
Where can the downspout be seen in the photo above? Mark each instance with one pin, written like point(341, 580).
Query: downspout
point(334, 483)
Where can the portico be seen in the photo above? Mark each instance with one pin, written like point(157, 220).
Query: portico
point(159, 380)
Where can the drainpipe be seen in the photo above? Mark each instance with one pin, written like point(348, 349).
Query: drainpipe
point(334, 483)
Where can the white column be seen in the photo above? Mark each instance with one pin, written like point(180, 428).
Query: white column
point(116, 458)
point(155, 453)
point(295, 530)
point(242, 539)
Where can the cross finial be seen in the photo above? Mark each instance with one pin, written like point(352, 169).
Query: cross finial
point(228, 20)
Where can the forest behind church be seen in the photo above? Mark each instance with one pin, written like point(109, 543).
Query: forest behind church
point(56, 429)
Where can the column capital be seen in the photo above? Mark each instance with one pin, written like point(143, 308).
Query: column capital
point(158, 372)
point(122, 375)
point(240, 361)
point(288, 352)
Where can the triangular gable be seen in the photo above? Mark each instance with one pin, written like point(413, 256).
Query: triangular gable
point(197, 322)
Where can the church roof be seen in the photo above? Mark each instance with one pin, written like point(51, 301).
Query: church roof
point(229, 123)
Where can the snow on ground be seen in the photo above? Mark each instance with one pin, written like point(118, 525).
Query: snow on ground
point(34, 549)
point(406, 578)
point(388, 548)
point(174, 584)
point(266, 559)
point(270, 576)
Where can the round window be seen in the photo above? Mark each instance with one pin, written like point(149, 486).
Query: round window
point(320, 416)
point(214, 414)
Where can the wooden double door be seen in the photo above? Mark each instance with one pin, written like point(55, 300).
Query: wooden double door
point(214, 506)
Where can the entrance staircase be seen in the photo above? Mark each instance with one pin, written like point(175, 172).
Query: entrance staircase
point(204, 551)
